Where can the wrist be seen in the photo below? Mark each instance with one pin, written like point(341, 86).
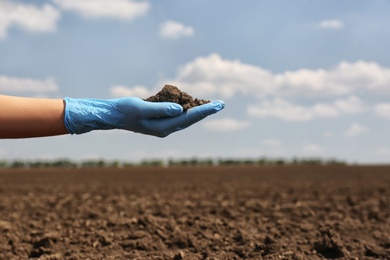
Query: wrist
point(87, 114)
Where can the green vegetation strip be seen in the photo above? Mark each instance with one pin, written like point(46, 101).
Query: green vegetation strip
point(100, 163)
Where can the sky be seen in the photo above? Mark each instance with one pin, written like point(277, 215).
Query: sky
point(306, 79)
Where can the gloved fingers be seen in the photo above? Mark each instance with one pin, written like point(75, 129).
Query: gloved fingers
point(147, 110)
point(167, 126)
point(196, 114)
point(152, 110)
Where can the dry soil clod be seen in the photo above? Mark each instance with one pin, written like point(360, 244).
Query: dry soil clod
point(171, 93)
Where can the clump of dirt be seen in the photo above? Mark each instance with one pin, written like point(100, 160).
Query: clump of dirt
point(171, 93)
point(330, 245)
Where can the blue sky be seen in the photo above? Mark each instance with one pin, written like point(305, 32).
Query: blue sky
point(299, 78)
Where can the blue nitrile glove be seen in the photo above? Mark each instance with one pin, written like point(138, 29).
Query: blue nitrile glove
point(133, 114)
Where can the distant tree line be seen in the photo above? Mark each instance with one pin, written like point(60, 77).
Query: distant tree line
point(192, 162)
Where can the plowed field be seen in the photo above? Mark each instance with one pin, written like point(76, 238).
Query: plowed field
point(270, 212)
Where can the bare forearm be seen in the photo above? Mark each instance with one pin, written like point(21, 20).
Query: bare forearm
point(31, 117)
point(36, 117)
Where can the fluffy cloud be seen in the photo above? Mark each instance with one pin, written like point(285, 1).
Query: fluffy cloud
point(285, 110)
point(175, 30)
point(355, 130)
point(383, 110)
point(136, 91)
point(226, 125)
point(345, 78)
point(332, 24)
point(12, 84)
point(212, 75)
point(120, 9)
point(28, 17)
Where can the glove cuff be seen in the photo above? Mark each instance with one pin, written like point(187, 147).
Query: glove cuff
point(87, 114)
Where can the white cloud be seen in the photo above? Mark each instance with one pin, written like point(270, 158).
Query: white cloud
point(27, 17)
point(136, 91)
point(13, 84)
point(175, 30)
point(285, 110)
point(356, 130)
point(350, 105)
point(120, 9)
point(383, 110)
point(332, 24)
point(212, 75)
point(226, 125)
point(345, 78)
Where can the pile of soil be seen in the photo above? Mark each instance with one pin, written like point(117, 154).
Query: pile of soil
point(171, 93)
point(280, 212)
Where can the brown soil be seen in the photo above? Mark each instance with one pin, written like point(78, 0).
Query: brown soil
point(171, 93)
point(196, 213)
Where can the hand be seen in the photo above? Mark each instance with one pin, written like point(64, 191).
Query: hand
point(133, 114)
point(161, 118)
